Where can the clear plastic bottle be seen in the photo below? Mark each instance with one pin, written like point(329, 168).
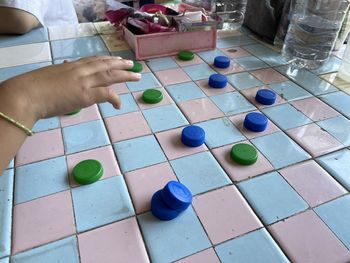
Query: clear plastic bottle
point(231, 13)
point(312, 31)
point(344, 71)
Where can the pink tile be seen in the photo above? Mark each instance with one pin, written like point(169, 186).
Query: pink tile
point(313, 183)
point(305, 238)
point(40, 146)
point(173, 147)
point(127, 126)
point(269, 76)
point(145, 68)
point(200, 110)
point(172, 76)
point(225, 214)
point(241, 172)
point(203, 84)
point(42, 220)
point(203, 256)
point(104, 155)
point(118, 242)
point(88, 114)
point(238, 121)
point(119, 88)
point(143, 183)
point(195, 61)
point(315, 109)
point(314, 140)
point(233, 68)
point(166, 100)
point(251, 93)
point(235, 52)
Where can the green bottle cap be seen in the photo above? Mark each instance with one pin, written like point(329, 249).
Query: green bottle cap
point(186, 55)
point(243, 153)
point(137, 68)
point(73, 112)
point(87, 171)
point(152, 96)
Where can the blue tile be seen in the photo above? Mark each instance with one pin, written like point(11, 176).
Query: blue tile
point(138, 153)
point(186, 232)
point(125, 54)
point(234, 41)
point(220, 132)
point(4, 260)
point(339, 101)
point(307, 80)
point(251, 63)
point(11, 164)
point(128, 105)
point(79, 47)
point(46, 124)
point(290, 91)
point(336, 214)
point(197, 72)
point(332, 65)
point(257, 246)
point(266, 54)
point(164, 118)
point(209, 56)
point(338, 165)
point(158, 64)
point(65, 250)
point(244, 81)
point(41, 179)
point(6, 198)
point(34, 36)
point(103, 202)
point(272, 146)
point(206, 175)
point(286, 116)
point(6, 73)
point(232, 103)
point(84, 136)
point(338, 127)
point(272, 197)
point(185, 91)
point(147, 81)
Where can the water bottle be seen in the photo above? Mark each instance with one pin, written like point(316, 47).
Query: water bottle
point(231, 13)
point(312, 32)
point(344, 71)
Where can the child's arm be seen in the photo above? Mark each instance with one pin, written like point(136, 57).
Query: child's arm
point(16, 21)
point(56, 90)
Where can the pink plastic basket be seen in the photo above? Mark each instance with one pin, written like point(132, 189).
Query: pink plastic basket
point(169, 43)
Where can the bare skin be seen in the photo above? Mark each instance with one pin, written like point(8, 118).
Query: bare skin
point(16, 21)
point(56, 90)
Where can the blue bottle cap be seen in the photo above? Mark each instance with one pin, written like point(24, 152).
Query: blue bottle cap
point(160, 209)
point(193, 136)
point(222, 62)
point(265, 96)
point(255, 122)
point(218, 81)
point(176, 196)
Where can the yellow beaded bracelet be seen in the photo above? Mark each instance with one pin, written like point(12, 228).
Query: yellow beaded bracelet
point(17, 124)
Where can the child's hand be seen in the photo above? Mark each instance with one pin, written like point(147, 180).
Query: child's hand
point(59, 89)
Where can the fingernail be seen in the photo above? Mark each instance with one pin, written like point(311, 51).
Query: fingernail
point(130, 63)
point(138, 75)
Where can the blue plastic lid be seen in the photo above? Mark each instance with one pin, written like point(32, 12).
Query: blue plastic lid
point(193, 136)
point(265, 96)
point(177, 196)
point(160, 209)
point(222, 62)
point(218, 81)
point(255, 122)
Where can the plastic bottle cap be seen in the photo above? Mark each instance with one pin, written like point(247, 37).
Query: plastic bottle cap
point(218, 81)
point(265, 96)
point(137, 68)
point(255, 122)
point(152, 96)
point(244, 154)
point(193, 136)
point(176, 196)
point(160, 209)
point(73, 112)
point(186, 55)
point(222, 62)
point(87, 171)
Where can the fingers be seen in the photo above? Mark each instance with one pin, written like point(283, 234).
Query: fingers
point(103, 94)
point(87, 60)
point(109, 77)
point(103, 65)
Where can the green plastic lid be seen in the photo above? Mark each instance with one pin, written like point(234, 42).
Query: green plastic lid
point(137, 68)
point(73, 112)
point(186, 55)
point(243, 153)
point(87, 171)
point(152, 96)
